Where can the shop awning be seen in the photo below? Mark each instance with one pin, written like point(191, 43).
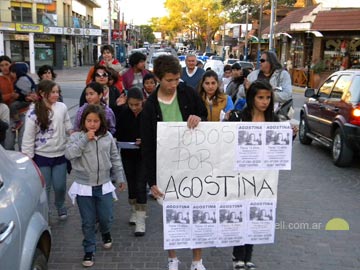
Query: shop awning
point(337, 20)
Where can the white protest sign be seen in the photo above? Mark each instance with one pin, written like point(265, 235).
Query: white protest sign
point(201, 170)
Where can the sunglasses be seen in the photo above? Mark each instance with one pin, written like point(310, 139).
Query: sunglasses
point(102, 75)
point(262, 60)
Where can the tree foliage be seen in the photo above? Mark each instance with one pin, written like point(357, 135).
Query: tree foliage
point(147, 33)
point(200, 19)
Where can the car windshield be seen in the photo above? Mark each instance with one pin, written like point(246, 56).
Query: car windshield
point(355, 90)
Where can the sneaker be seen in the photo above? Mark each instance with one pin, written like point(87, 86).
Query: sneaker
point(88, 260)
point(197, 266)
point(173, 264)
point(17, 125)
point(62, 213)
point(107, 241)
point(250, 266)
point(238, 265)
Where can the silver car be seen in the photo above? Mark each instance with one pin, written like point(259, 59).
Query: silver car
point(25, 238)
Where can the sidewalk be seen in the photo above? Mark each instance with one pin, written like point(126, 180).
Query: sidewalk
point(68, 74)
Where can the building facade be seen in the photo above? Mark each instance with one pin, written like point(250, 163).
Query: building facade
point(58, 33)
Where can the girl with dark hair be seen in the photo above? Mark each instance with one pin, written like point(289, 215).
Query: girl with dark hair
point(149, 85)
point(135, 74)
point(93, 153)
point(128, 130)
point(46, 72)
point(215, 101)
point(94, 95)
point(260, 108)
point(111, 96)
point(47, 123)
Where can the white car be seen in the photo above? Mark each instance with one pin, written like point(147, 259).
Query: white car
point(153, 57)
point(216, 65)
point(25, 238)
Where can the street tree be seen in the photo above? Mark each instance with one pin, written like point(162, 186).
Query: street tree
point(198, 20)
point(147, 33)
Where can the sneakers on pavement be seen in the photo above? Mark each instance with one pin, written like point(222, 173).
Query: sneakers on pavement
point(107, 241)
point(88, 260)
point(62, 213)
point(250, 266)
point(173, 264)
point(238, 265)
point(197, 265)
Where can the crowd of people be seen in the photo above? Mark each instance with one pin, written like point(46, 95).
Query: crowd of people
point(119, 106)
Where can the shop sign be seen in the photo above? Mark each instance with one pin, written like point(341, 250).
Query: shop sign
point(7, 26)
point(19, 37)
point(43, 1)
point(29, 27)
point(44, 38)
point(53, 30)
point(300, 26)
point(92, 32)
point(73, 31)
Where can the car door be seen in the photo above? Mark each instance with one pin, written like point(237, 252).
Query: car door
point(10, 236)
point(335, 105)
point(317, 107)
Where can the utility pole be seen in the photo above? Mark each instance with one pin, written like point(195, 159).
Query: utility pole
point(272, 25)
point(109, 28)
point(259, 35)
point(246, 34)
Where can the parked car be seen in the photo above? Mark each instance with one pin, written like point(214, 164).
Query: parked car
point(250, 66)
point(25, 238)
point(216, 65)
point(153, 57)
point(230, 61)
point(331, 116)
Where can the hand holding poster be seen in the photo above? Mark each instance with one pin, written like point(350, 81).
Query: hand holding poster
point(207, 170)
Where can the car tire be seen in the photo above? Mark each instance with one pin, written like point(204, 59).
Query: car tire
point(39, 261)
point(303, 130)
point(341, 153)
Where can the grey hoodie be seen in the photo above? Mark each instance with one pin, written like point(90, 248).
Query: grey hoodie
point(92, 161)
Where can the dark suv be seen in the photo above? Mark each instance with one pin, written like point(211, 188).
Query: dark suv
point(331, 116)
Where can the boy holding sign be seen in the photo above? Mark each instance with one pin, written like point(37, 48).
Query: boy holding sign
point(172, 101)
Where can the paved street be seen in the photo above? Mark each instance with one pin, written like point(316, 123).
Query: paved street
point(315, 191)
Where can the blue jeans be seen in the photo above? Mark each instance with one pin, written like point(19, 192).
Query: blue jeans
point(91, 207)
point(56, 177)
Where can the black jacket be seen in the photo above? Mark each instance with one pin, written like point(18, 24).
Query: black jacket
point(190, 103)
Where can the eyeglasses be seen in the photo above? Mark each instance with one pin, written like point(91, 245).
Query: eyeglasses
point(262, 60)
point(102, 75)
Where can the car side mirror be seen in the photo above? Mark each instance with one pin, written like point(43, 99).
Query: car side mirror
point(309, 92)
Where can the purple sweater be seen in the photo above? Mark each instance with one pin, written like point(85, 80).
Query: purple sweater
point(109, 114)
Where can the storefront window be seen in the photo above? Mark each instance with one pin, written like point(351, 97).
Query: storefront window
point(297, 47)
point(44, 54)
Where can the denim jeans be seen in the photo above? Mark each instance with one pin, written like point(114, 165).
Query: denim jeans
point(91, 207)
point(56, 177)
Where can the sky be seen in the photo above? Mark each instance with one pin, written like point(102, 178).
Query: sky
point(140, 11)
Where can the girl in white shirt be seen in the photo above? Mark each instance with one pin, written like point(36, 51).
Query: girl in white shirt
point(46, 125)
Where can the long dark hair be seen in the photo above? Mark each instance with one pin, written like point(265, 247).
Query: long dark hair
point(218, 95)
point(42, 111)
point(273, 61)
point(97, 109)
point(255, 87)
